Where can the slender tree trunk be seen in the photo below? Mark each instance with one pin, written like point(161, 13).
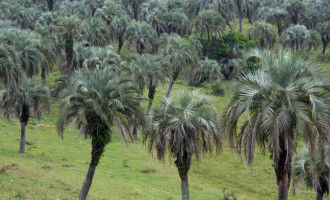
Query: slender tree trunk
point(87, 183)
point(43, 77)
point(183, 165)
point(184, 187)
point(135, 128)
point(325, 44)
point(50, 5)
point(22, 144)
point(283, 174)
point(228, 23)
point(69, 55)
point(120, 43)
point(240, 23)
point(283, 187)
point(151, 95)
point(319, 196)
point(172, 81)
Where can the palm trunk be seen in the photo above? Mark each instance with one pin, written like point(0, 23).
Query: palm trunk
point(151, 95)
point(172, 81)
point(283, 187)
point(228, 24)
point(319, 196)
point(120, 43)
point(183, 166)
point(283, 174)
point(184, 187)
point(325, 44)
point(135, 128)
point(69, 55)
point(87, 183)
point(240, 23)
point(22, 144)
point(50, 5)
point(43, 77)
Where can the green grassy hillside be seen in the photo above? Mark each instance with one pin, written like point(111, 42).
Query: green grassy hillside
point(53, 168)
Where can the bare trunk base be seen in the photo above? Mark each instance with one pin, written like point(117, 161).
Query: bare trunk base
point(283, 188)
point(22, 143)
point(87, 183)
point(185, 187)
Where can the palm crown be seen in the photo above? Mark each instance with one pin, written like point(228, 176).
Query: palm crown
point(284, 100)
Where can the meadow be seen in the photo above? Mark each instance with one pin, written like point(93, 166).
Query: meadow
point(53, 168)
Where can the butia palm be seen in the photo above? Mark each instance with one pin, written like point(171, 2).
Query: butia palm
point(314, 173)
point(227, 10)
point(182, 53)
point(143, 35)
point(100, 101)
point(265, 33)
point(10, 70)
point(296, 37)
point(284, 100)
point(175, 21)
point(69, 28)
point(96, 32)
point(118, 28)
point(184, 126)
point(208, 21)
point(207, 70)
point(149, 71)
point(30, 100)
point(324, 30)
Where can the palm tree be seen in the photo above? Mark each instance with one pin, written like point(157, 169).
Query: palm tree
point(315, 39)
point(192, 7)
point(274, 15)
point(152, 12)
point(265, 33)
point(239, 6)
point(100, 101)
point(286, 99)
point(30, 53)
point(110, 9)
point(143, 35)
point(29, 100)
point(96, 32)
point(184, 127)
point(297, 37)
point(209, 21)
point(227, 10)
point(135, 4)
point(207, 70)
point(10, 70)
point(118, 28)
point(314, 173)
point(149, 71)
point(175, 21)
point(182, 53)
point(69, 28)
point(48, 50)
point(324, 30)
point(295, 9)
point(99, 57)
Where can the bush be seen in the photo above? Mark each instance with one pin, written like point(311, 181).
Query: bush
point(217, 89)
point(219, 48)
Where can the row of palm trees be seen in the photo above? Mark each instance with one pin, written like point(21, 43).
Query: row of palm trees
point(284, 99)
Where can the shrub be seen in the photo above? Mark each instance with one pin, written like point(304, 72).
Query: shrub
point(218, 89)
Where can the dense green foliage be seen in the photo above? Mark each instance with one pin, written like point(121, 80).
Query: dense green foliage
point(99, 57)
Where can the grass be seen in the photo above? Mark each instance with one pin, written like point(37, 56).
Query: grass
point(53, 168)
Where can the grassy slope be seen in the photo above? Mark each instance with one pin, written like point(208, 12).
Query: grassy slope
point(55, 169)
